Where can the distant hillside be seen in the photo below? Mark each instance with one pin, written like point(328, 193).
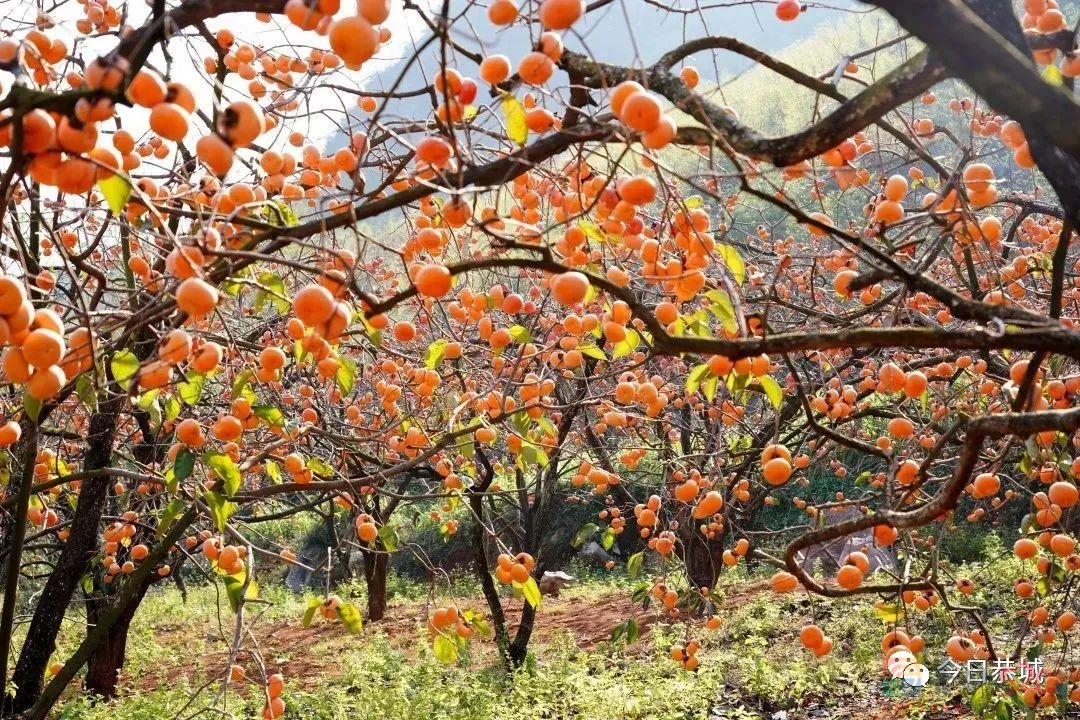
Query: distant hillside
point(627, 32)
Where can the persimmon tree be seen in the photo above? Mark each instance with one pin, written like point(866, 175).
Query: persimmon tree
point(562, 273)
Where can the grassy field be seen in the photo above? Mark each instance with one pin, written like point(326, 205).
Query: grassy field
point(751, 667)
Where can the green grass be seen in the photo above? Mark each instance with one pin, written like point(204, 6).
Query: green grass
point(749, 661)
point(751, 666)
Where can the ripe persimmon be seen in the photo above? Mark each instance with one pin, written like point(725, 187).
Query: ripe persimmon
point(502, 12)
point(375, 12)
point(495, 69)
point(811, 636)
point(535, 68)
point(641, 112)
point(560, 14)
point(146, 89)
point(313, 304)
point(433, 280)
point(169, 120)
point(788, 10)
point(215, 153)
point(569, 288)
point(196, 297)
point(354, 40)
point(43, 348)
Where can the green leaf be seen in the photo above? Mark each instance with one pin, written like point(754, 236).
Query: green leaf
point(723, 309)
point(734, 261)
point(434, 354)
point(172, 408)
point(191, 391)
point(350, 617)
point(517, 128)
point(146, 400)
point(124, 366)
point(269, 414)
point(532, 454)
point(273, 288)
point(531, 591)
point(309, 611)
point(232, 286)
point(116, 190)
point(633, 632)
point(627, 345)
point(697, 374)
point(184, 465)
point(31, 406)
point(84, 388)
point(607, 540)
point(592, 351)
point(482, 628)
point(1001, 711)
point(520, 334)
point(278, 212)
point(172, 510)
point(224, 467)
point(446, 649)
point(980, 700)
point(772, 390)
point(220, 509)
point(388, 536)
point(346, 374)
point(634, 563)
point(320, 467)
point(709, 387)
point(234, 589)
point(241, 382)
point(584, 533)
point(273, 471)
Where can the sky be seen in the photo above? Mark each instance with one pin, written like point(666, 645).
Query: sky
point(626, 31)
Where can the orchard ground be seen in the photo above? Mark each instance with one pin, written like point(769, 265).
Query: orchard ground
point(753, 666)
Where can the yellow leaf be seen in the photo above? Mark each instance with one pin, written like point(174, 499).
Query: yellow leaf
point(693, 202)
point(469, 113)
point(1052, 74)
point(592, 231)
point(516, 127)
point(734, 262)
point(116, 190)
point(889, 612)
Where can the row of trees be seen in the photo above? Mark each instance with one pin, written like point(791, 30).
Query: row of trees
point(592, 283)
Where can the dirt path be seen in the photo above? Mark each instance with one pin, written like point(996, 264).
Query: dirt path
point(286, 646)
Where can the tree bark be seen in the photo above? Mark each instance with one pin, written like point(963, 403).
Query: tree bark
point(103, 669)
point(703, 559)
point(73, 562)
point(376, 567)
point(482, 568)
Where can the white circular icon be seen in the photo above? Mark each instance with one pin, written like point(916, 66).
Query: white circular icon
point(916, 675)
point(898, 660)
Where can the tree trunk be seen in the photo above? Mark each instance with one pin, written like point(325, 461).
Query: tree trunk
point(703, 560)
point(376, 567)
point(519, 649)
point(103, 669)
point(80, 546)
point(483, 573)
